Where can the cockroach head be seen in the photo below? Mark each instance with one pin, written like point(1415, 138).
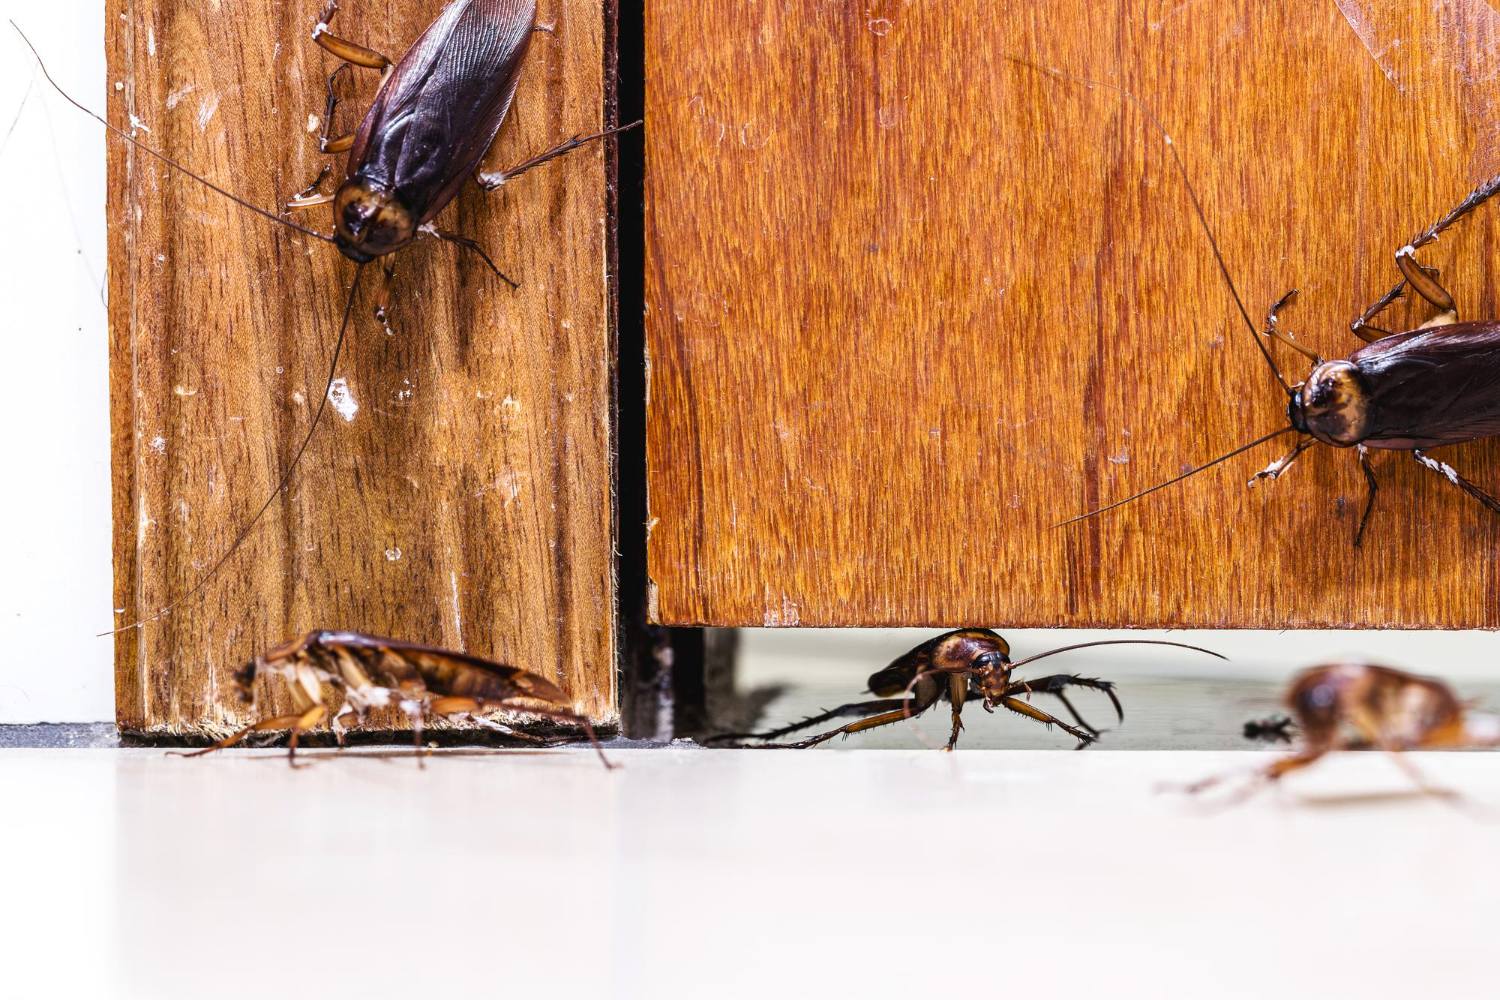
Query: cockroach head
point(983, 653)
point(1331, 405)
point(370, 221)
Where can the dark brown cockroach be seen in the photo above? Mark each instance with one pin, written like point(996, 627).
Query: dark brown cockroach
point(968, 663)
point(1275, 729)
point(366, 672)
point(1348, 706)
point(433, 119)
point(1436, 385)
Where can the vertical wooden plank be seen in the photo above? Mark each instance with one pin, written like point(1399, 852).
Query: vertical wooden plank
point(910, 304)
point(462, 495)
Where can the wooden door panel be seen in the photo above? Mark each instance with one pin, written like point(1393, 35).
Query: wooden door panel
point(463, 493)
point(910, 304)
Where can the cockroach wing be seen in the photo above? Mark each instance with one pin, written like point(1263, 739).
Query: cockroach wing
point(445, 672)
point(891, 681)
point(437, 113)
point(1432, 387)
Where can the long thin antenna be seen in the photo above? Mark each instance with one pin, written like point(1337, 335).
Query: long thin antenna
point(162, 156)
point(1178, 479)
point(1192, 194)
point(1115, 642)
point(286, 476)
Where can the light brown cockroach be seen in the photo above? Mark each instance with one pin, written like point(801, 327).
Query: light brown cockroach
point(1354, 706)
point(368, 672)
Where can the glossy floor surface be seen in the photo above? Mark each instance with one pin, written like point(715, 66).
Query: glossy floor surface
point(689, 872)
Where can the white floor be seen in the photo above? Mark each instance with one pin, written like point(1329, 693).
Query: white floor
point(689, 872)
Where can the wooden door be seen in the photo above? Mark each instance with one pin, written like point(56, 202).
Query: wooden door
point(910, 304)
point(462, 494)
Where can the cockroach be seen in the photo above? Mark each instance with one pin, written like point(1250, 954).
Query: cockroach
point(1438, 384)
point(957, 666)
point(1271, 730)
point(367, 671)
point(1348, 706)
point(433, 119)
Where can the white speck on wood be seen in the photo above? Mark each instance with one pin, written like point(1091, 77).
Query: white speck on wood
point(178, 95)
point(137, 123)
point(342, 399)
point(393, 554)
point(159, 445)
point(206, 111)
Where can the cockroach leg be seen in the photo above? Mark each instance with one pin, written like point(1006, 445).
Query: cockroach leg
point(490, 180)
point(843, 711)
point(1449, 473)
point(312, 188)
point(301, 202)
point(1482, 193)
point(343, 48)
point(1276, 468)
point(343, 142)
point(1273, 330)
point(873, 722)
point(958, 689)
point(1054, 686)
point(1374, 485)
point(470, 245)
point(1032, 712)
point(1423, 280)
point(384, 297)
point(298, 724)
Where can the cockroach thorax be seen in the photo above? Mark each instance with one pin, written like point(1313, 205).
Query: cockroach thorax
point(371, 221)
point(1332, 405)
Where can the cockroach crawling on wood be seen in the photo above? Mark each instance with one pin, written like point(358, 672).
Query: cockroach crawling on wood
point(1349, 706)
point(433, 119)
point(1436, 385)
point(958, 666)
point(366, 671)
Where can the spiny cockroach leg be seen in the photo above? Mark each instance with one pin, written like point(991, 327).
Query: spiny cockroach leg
point(1374, 486)
point(1278, 467)
point(343, 48)
point(470, 245)
point(1054, 686)
point(298, 724)
point(1482, 193)
point(1449, 473)
point(343, 142)
point(300, 199)
point(853, 708)
point(1273, 330)
point(1032, 712)
point(958, 689)
point(874, 722)
point(492, 179)
point(385, 296)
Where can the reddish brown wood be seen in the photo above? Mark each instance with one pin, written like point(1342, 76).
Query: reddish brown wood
point(910, 304)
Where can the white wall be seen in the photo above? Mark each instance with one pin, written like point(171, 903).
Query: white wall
point(54, 432)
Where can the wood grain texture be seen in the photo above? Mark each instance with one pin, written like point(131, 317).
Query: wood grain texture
point(910, 304)
point(467, 502)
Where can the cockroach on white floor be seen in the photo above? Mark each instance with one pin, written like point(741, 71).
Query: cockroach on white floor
point(1357, 706)
point(367, 672)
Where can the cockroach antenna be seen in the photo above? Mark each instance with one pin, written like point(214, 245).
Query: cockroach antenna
point(1192, 195)
point(286, 477)
point(163, 157)
point(1177, 479)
